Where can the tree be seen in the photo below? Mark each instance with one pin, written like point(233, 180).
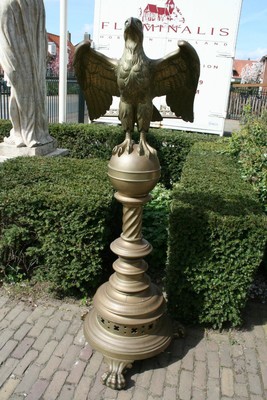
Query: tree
point(53, 64)
point(252, 73)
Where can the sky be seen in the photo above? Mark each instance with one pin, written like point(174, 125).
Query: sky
point(251, 39)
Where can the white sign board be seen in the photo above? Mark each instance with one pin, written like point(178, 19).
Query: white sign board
point(209, 26)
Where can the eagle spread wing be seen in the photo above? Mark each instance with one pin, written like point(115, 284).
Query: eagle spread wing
point(176, 76)
point(137, 79)
point(96, 75)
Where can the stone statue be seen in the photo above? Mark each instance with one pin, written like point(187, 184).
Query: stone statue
point(23, 57)
point(136, 79)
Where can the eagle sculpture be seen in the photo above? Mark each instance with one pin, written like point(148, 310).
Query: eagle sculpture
point(137, 79)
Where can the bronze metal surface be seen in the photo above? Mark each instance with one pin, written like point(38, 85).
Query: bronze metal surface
point(129, 320)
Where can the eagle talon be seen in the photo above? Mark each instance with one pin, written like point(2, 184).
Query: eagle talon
point(144, 149)
point(125, 146)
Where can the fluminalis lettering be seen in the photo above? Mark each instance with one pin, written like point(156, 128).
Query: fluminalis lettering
point(186, 29)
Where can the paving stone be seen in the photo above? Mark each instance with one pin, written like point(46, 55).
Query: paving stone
point(55, 385)
point(38, 327)
point(7, 368)
point(79, 338)
point(188, 360)
point(49, 311)
point(86, 352)
point(35, 315)
point(172, 373)
point(256, 397)
point(22, 331)
point(227, 382)
point(23, 347)
point(46, 353)
point(60, 331)
point(249, 339)
point(97, 390)
point(262, 350)
point(75, 326)
point(37, 389)
point(218, 338)
point(83, 388)
point(94, 365)
point(44, 337)
point(200, 351)
point(240, 370)
point(225, 355)
point(45, 356)
point(255, 384)
point(140, 394)
point(258, 331)
point(212, 346)
point(110, 394)
point(76, 372)
point(70, 358)
point(8, 388)
point(241, 390)
point(3, 301)
point(127, 395)
point(67, 392)
point(20, 319)
point(237, 350)
point(213, 362)
point(28, 380)
point(263, 369)
point(3, 312)
point(157, 382)
point(25, 362)
point(185, 385)
point(251, 360)
point(200, 375)
point(213, 389)
point(63, 345)
point(68, 315)
point(197, 394)
point(55, 319)
point(144, 378)
point(50, 368)
point(14, 312)
point(5, 335)
point(7, 350)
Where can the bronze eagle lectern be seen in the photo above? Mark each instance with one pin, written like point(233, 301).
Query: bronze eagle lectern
point(129, 321)
point(137, 79)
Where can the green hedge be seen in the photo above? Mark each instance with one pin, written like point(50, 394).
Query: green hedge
point(98, 140)
point(216, 239)
point(249, 147)
point(55, 221)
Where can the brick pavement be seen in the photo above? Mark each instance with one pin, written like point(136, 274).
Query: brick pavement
point(43, 355)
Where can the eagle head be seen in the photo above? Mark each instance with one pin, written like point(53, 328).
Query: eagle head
point(133, 30)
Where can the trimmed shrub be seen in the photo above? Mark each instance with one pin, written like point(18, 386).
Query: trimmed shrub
point(249, 146)
point(216, 239)
point(55, 221)
point(155, 230)
point(5, 127)
point(98, 140)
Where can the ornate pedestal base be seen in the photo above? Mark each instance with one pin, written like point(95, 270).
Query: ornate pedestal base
point(50, 149)
point(129, 320)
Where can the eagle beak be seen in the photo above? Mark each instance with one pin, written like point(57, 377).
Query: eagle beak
point(128, 22)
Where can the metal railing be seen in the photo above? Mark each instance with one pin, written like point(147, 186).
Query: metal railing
point(76, 110)
point(254, 96)
point(239, 97)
